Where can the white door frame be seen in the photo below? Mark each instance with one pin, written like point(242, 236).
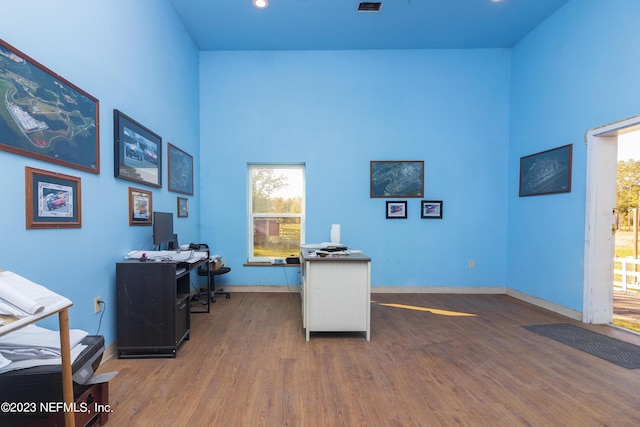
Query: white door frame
point(602, 160)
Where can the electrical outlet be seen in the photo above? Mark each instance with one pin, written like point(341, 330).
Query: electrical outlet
point(97, 307)
point(472, 263)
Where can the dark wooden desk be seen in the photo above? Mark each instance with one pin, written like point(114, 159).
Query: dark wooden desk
point(153, 307)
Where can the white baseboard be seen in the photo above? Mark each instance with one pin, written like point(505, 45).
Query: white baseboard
point(437, 290)
point(259, 288)
point(109, 353)
point(378, 289)
point(572, 314)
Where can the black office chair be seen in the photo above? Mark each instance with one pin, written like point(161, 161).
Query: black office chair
point(207, 270)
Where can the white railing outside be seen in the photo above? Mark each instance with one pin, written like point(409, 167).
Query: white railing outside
point(627, 276)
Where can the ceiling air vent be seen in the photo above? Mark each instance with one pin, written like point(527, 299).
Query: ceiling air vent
point(366, 6)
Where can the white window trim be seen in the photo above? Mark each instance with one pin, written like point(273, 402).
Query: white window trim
point(302, 216)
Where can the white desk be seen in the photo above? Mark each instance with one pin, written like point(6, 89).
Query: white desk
point(335, 293)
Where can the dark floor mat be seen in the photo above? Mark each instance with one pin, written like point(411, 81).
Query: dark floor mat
point(607, 348)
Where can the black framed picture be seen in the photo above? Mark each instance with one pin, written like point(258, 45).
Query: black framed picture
point(140, 206)
point(397, 210)
point(137, 151)
point(431, 209)
point(53, 200)
point(396, 178)
point(547, 172)
point(180, 170)
point(45, 116)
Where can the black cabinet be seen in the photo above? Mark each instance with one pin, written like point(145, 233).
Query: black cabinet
point(153, 315)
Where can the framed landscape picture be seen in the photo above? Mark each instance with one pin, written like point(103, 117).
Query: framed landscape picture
point(397, 178)
point(44, 116)
point(138, 152)
point(180, 170)
point(547, 172)
point(53, 200)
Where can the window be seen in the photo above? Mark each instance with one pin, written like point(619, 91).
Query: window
point(276, 211)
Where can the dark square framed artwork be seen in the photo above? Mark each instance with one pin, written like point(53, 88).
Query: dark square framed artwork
point(183, 207)
point(396, 178)
point(140, 206)
point(137, 151)
point(397, 210)
point(45, 116)
point(431, 209)
point(180, 170)
point(53, 200)
point(547, 172)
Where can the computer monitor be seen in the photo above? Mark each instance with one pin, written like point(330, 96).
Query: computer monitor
point(162, 228)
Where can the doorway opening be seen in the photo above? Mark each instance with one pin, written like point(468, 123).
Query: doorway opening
point(601, 218)
point(626, 281)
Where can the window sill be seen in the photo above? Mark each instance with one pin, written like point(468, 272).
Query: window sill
point(268, 264)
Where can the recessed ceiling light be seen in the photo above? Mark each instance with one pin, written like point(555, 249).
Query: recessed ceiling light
point(261, 4)
point(369, 6)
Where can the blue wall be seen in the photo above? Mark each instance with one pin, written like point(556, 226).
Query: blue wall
point(133, 56)
point(337, 111)
point(577, 71)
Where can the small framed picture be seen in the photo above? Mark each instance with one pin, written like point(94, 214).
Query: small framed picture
point(397, 210)
point(431, 209)
point(183, 207)
point(140, 207)
point(52, 199)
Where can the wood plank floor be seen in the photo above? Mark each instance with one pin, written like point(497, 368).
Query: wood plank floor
point(433, 360)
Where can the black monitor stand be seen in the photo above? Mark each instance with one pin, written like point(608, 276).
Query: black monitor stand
point(174, 246)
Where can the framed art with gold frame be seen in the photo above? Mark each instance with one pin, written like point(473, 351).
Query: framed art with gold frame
point(53, 200)
point(140, 207)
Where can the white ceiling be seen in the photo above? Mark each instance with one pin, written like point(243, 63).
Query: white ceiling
point(336, 24)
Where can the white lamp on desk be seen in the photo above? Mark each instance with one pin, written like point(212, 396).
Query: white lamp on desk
point(335, 234)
